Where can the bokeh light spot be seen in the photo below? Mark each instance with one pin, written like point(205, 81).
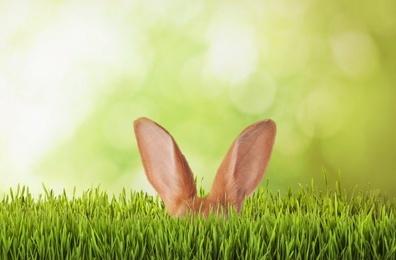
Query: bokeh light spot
point(233, 52)
point(352, 143)
point(290, 141)
point(320, 114)
point(255, 96)
point(355, 53)
point(117, 125)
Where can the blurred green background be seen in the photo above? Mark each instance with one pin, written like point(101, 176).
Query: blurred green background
point(75, 74)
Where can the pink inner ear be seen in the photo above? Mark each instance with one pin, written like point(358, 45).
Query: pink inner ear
point(166, 168)
point(252, 157)
point(157, 153)
point(245, 163)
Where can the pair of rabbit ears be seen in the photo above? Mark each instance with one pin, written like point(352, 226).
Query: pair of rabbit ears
point(239, 174)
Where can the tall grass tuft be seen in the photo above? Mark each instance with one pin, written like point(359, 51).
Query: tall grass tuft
point(301, 224)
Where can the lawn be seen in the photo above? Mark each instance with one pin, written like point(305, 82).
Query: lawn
point(301, 224)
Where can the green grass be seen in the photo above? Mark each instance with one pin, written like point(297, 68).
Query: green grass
point(301, 224)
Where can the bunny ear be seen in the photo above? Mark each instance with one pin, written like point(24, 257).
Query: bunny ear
point(166, 168)
point(245, 164)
